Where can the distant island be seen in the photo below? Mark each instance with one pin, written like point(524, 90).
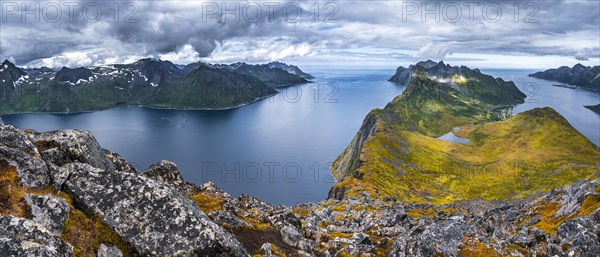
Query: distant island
point(146, 82)
point(595, 108)
point(579, 75)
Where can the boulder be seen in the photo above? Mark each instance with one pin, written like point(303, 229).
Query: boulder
point(67, 146)
point(120, 163)
point(14, 138)
point(106, 251)
point(291, 235)
point(49, 211)
point(266, 250)
point(229, 220)
point(153, 217)
point(167, 172)
point(22, 237)
point(32, 170)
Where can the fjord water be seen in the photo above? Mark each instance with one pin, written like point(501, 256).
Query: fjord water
point(279, 149)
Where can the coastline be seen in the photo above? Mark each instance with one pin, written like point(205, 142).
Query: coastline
point(565, 85)
point(148, 107)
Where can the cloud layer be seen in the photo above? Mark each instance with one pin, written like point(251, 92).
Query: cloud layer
point(47, 33)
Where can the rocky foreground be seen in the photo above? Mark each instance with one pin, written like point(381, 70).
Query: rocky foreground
point(61, 194)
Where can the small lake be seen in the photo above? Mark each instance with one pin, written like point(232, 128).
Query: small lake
point(278, 149)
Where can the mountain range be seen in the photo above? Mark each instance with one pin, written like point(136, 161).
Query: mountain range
point(579, 75)
point(146, 82)
point(400, 151)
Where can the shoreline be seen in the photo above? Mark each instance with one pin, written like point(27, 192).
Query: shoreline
point(148, 107)
point(565, 85)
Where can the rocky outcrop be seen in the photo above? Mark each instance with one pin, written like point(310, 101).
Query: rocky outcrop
point(167, 172)
point(149, 211)
point(73, 75)
point(49, 211)
point(17, 150)
point(23, 237)
point(68, 146)
point(151, 215)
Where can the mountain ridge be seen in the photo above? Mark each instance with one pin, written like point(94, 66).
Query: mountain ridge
point(587, 77)
point(397, 154)
point(147, 82)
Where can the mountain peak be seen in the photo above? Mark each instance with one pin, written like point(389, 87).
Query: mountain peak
point(7, 62)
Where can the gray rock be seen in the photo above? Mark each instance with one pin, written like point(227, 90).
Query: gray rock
point(291, 235)
point(59, 176)
point(120, 163)
point(106, 251)
point(229, 220)
point(32, 170)
point(266, 250)
point(22, 237)
point(167, 172)
point(49, 211)
point(576, 234)
point(440, 238)
point(67, 146)
point(153, 217)
point(14, 138)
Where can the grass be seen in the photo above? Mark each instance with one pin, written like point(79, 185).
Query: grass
point(474, 248)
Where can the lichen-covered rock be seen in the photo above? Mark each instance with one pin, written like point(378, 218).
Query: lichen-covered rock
point(120, 163)
point(167, 172)
point(152, 216)
point(109, 251)
point(266, 250)
point(578, 235)
point(32, 170)
point(67, 146)
point(291, 235)
point(229, 220)
point(14, 138)
point(49, 211)
point(22, 237)
point(442, 238)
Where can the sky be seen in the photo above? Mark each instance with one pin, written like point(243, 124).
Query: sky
point(368, 34)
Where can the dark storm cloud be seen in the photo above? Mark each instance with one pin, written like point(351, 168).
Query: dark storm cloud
point(155, 28)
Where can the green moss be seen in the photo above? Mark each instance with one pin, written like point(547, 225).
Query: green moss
point(590, 204)
point(87, 232)
point(207, 203)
